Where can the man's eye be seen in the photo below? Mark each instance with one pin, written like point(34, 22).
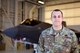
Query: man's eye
point(58, 16)
point(54, 16)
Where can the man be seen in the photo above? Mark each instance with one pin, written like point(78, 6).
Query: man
point(58, 39)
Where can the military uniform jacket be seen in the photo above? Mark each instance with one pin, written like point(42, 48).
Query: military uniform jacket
point(64, 41)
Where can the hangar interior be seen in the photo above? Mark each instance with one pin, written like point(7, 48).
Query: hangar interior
point(13, 12)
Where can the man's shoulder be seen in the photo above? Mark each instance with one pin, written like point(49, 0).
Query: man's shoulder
point(46, 31)
point(69, 31)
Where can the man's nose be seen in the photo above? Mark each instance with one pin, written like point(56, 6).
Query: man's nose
point(56, 17)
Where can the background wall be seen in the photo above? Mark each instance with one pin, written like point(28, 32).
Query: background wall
point(71, 13)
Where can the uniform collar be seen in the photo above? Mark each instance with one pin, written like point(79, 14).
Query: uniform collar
point(52, 31)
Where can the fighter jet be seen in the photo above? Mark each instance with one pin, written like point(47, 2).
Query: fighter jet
point(28, 29)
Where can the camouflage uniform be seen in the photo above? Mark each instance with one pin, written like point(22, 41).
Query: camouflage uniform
point(63, 41)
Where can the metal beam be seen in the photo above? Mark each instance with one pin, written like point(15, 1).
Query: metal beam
point(33, 2)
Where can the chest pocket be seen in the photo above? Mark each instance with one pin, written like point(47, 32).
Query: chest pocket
point(63, 40)
point(48, 41)
point(67, 41)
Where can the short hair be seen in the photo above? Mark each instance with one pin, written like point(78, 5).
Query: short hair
point(57, 10)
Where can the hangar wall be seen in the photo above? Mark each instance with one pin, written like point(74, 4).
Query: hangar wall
point(71, 13)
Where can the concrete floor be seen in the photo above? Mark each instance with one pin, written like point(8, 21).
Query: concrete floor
point(18, 51)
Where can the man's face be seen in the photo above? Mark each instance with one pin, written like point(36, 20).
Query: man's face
point(57, 18)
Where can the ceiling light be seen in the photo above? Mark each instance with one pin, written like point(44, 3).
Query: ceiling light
point(41, 2)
